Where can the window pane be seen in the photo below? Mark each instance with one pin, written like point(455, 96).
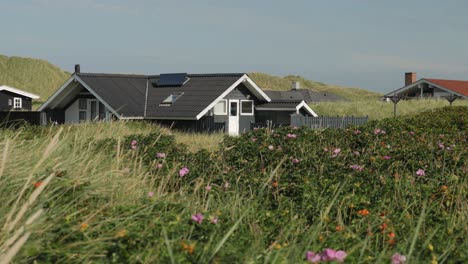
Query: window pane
point(82, 115)
point(247, 107)
point(82, 104)
point(17, 102)
point(233, 108)
point(220, 108)
point(172, 98)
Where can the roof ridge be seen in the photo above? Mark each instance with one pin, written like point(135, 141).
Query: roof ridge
point(123, 75)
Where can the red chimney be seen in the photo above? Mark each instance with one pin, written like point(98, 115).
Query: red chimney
point(410, 77)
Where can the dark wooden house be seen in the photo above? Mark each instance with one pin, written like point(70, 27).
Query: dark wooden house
point(229, 101)
point(15, 99)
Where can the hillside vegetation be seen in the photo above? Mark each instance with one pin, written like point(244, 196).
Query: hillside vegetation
point(127, 192)
point(32, 75)
point(270, 82)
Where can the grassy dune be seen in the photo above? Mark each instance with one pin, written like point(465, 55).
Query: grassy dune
point(101, 193)
point(32, 75)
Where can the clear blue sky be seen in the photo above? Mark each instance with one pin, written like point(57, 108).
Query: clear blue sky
point(361, 43)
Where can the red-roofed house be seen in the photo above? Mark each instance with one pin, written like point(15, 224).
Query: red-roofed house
point(430, 88)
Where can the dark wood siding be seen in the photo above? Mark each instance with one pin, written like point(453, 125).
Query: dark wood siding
point(6, 96)
point(206, 124)
point(277, 117)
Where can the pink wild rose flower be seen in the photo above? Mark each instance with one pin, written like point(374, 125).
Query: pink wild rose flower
point(311, 257)
point(160, 155)
point(183, 171)
point(398, 259)
point(420, 173)
point(356, 167)
point(336, 152)
point(198, 218)
point(133, 144)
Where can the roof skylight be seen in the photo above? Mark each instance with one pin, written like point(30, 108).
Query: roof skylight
point(171, 98)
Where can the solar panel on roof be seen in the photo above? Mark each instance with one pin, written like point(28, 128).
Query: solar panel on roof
point(172, 79)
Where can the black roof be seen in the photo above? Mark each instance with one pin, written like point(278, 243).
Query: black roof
point(198, 92)
point(309, 96)
point(286, 105)
point(123, 92)
point(126, 93)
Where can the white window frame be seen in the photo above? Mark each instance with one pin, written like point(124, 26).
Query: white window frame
point(225, 107)
point(241, 108)
point(17, 102)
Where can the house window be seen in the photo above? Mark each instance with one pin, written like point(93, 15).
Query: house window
point(221, 107)
point(171, 98)
point(17, 102)
point(82, 109)
point(247, 107)
point(10, 102)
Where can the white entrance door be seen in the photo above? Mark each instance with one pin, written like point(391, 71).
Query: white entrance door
point(233, 120)
point(93, 110)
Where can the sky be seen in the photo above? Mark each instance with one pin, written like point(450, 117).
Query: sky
point(359, 43)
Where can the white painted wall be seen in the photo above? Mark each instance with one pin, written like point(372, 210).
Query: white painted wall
point(71, 113)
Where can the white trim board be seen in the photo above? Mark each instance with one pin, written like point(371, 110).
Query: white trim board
point(54, 95)
point(18, 91)
point(307, 107)
point(245, 78)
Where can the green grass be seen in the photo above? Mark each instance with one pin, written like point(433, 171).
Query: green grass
point(95, 207)
point(377, 109)
point(32, 75)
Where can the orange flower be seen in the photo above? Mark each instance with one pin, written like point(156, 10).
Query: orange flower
point(189, 248)
point(392, 242)
point(444, 188)
point(391, 235)
point(37, 184)
point(83, 227)
point(383, 226)
point(363, 212)
point(275, 184)
point(339, 228)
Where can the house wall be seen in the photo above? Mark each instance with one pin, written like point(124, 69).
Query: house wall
point(6, 97)
point(240, 93)
point(71, 113)
point(277, 117)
